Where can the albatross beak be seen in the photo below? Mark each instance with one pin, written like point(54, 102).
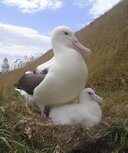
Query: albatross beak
point(79, 47)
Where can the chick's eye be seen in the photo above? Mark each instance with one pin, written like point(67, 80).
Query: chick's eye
point(89, 93)
point(66, 33)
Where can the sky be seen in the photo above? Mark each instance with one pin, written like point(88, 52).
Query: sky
point(26, 25)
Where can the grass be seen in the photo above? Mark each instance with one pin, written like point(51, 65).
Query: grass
point(22, 132)
point(118, 135)
point(11, 139)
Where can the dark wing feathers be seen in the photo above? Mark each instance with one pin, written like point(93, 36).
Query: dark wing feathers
point(28, 82)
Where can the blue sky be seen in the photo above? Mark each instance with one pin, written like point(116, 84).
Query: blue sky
point(26, 25)
point(69, 13)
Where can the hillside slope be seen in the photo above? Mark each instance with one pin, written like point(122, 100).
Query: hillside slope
point(107, 36)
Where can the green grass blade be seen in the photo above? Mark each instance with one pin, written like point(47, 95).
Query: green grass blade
point(6, 142)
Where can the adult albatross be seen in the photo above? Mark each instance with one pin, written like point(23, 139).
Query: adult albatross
point(67, 71)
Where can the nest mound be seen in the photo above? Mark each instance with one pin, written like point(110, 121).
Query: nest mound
point(42, 134)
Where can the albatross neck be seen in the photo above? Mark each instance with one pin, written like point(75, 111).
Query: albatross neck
point(64, 51)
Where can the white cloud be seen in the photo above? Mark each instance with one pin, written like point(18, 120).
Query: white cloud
point(30, 6)
point(80, 3)
point(21, 41)
point(99, 7)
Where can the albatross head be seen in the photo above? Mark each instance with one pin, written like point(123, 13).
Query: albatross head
point(63, 36)
point(89, 94)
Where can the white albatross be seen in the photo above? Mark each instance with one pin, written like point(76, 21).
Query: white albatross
point(87, 113)
point(65, 74)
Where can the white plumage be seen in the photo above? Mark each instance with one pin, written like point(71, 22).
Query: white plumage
point(67, 71)
point(87, 113)
point(45, 65)
point(29, 98)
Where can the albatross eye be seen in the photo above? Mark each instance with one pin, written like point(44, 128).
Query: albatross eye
point(66, 33)
point(90, 93)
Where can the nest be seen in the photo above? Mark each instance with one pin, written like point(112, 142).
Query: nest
point(43, 134)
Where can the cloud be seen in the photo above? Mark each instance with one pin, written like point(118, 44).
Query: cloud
point(80, 3)
point(21, 41)
point(99, 7)
point(30, 6)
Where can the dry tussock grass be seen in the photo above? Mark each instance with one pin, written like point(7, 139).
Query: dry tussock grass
point(109, 81)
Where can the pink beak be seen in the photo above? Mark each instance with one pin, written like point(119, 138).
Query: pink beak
point(79, 47)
